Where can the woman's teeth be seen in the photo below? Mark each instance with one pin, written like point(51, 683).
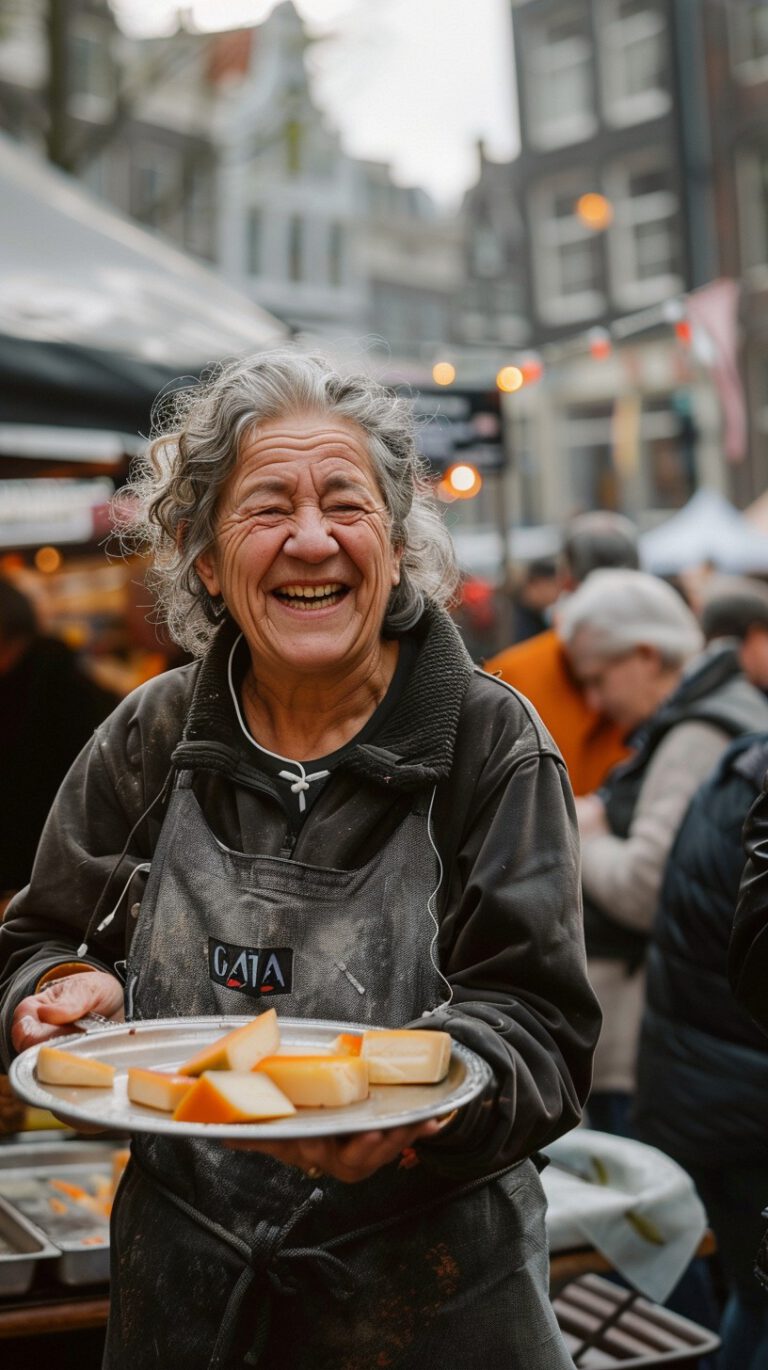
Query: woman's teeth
point(311, 596)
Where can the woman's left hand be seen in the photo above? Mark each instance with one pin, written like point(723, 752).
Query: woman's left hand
point(349, 1158)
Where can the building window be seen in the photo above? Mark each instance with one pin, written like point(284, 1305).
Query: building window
point(198, 226)
point(89, 66)
point(255, 225)
point(487, 253)
point(294, 138)
point(644, 239)
point(295, 248)
point(668, 441)
point(748, 26)
point(155, 185)
point(567, 255)
point(559, 79)
point(753, 207)
point(634, 60)
point(588, 442)
point(336, 254)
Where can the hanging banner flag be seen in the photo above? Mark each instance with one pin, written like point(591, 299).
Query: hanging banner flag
point(713, 311)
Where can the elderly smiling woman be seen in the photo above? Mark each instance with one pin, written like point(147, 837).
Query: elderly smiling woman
point(334, 784)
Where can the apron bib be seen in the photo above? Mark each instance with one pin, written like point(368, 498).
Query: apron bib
point(222, 1239)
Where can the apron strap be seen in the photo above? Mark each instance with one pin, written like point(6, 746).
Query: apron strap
point(262, 1258)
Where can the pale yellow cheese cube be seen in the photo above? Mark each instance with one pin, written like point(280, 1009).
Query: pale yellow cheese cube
point(57, 1067)
point(406, 1057)
point(318, 1081)
point(156, 1090)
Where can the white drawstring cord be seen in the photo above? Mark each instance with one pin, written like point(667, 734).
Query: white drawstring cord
point(301, 780)
point(105, 922)
point(431, 906)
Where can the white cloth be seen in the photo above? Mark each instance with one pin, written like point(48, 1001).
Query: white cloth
point(629, 1201)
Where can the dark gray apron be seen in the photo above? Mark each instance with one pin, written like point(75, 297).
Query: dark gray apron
point(223, 1258)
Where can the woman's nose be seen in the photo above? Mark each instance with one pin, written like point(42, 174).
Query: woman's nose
point(310, 537)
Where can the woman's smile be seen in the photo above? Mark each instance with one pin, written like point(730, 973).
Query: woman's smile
point(308, 598)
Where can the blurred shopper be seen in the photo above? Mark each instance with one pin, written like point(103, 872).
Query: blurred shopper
point(590, 743)
point(736, 607)
point(636, 650)
point(702, 1074)
point(48, 711)
point(533, 597)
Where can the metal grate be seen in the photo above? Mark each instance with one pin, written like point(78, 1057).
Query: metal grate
point(605, 1325)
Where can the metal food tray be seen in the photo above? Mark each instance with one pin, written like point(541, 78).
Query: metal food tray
point(164, 1043)
point(21, 1247)
point(76, 1237)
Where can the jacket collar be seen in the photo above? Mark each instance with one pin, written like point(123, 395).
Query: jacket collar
point(416, 744)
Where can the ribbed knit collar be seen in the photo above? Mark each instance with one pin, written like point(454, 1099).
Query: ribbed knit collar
point(416, 744)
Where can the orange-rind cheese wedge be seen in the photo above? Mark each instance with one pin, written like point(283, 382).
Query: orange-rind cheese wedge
point(406, 1056)
point(318, 1081)
point(239, 1049)
point(154, 1089)
point(57, 1067)
point(233, 1096)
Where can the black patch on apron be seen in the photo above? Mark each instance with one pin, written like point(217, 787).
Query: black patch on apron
point(255, 971)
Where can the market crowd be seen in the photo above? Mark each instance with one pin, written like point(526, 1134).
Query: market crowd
point(657, 695)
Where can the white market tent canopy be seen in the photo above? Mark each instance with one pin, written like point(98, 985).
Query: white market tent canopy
point(708, 529)
point(97, 314)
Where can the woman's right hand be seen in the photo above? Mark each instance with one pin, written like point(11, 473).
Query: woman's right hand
point(48, 1013)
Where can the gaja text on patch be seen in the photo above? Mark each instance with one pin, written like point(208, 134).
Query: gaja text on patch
point(255, 971)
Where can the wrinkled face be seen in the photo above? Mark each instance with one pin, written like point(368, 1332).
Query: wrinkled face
point(626, 688)
point(302, 555)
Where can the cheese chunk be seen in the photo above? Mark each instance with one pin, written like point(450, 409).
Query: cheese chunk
point(156, 1090)
point(406, 1057)
point(318, 1081)
point(232, 1096)
point(239, 1049)
point(56, 1067)
point(347, 1044)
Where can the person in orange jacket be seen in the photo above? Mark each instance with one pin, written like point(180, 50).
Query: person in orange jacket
point(590, 744)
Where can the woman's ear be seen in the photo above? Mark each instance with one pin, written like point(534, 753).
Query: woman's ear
point(397, 556)
point(205, 565)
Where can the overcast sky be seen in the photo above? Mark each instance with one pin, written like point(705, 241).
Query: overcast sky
point(412, 82)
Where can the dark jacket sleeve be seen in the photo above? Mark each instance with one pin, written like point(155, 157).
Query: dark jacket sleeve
point(512, 948)
point(77, 871)
point(748, 951)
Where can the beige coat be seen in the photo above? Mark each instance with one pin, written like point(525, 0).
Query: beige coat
point(624, 875)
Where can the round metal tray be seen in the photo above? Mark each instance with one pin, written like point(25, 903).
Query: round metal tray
point(164, 1043)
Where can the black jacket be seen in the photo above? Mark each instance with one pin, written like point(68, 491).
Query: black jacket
point(714, 691)
point(510, 942)
point(702, 1092)
point(748, 952)
point(48, 710)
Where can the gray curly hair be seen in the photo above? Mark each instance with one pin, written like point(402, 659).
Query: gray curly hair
point(195, 444)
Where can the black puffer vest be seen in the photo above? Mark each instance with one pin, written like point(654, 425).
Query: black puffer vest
point(716, 692)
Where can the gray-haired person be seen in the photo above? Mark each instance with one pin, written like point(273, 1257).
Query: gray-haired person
point(343, 819)
point(637, 651)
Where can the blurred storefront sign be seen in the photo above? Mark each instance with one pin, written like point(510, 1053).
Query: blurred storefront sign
point(459, 424)
point(33, 512)
point(41, 442)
